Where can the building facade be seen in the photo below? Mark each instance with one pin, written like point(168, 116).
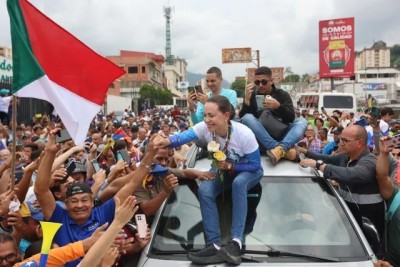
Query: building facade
point(378, 56)
point(175, 73)
point(140, 68)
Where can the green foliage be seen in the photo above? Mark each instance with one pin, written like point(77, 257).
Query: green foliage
point(292, 78)
point(239, 86)
point(395, 56)
point(306, 77)
point(158, 95)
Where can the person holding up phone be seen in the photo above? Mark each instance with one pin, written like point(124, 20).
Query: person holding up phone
point(197, 99)
point(278, 107)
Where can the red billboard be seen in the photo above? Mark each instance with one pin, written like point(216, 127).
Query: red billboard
point(336, 48)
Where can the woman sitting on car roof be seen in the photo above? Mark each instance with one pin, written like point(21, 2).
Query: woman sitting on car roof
point(235, 162)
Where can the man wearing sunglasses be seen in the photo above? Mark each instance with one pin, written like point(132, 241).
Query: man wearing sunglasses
point(281, 106)
point(354, 170)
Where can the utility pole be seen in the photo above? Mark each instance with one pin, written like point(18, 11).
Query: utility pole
point(168, 48)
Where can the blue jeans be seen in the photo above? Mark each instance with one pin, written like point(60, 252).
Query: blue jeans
point(294, 133)
point(208, 192)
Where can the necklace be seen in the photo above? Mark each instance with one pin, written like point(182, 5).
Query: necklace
point(227, 139)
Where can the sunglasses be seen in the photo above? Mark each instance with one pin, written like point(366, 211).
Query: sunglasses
point(263, 82)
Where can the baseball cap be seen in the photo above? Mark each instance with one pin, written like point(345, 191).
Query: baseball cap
point(79, 167)
point(337, 130)
point(28, 210)
point(78, 188)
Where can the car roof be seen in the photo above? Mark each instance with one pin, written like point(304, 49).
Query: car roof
point(282, 168)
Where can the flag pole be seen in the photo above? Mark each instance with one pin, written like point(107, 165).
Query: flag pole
point(14, 141)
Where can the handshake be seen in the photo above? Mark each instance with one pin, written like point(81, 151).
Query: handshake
point(158, 141)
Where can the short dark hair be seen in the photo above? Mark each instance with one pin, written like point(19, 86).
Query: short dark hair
point(263, 71)
point(338, 112)
point(33, 146)
point(6, 237)
point(386, 110)
point(320, 120)
point(215, 70)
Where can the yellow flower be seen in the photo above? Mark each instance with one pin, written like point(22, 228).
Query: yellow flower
point(219, 155)
point(213, 146)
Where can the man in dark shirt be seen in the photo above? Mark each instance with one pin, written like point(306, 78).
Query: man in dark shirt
point(354, 170)
point(279, 104)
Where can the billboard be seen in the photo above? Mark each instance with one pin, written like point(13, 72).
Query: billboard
point(336, 48)
point(6, 72)
point(375, 86)
point(236, 55)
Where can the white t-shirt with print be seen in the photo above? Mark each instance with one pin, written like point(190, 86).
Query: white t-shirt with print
point(242, 141)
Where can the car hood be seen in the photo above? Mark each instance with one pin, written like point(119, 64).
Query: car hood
point(151, 262)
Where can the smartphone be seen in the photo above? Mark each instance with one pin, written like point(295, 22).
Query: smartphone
point(123, 154)
point(191, 90)
point(322, 109)
point(95, 165)
point(63, 136)
point(141, 225)
point(393, 142)
point(70, 168)
point(198, 89)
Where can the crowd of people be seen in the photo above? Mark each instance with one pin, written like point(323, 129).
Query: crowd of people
point(133, 164)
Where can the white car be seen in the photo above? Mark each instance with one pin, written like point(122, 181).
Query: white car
point(295, 218)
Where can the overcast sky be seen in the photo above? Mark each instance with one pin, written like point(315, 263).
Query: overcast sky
point(285, 31)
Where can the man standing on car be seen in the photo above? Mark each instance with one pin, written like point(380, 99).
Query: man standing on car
point(280, 104)
point(354, 170)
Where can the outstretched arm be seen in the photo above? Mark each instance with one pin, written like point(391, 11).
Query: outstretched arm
point(42, 184)
point(123, 213)
point(382, 171)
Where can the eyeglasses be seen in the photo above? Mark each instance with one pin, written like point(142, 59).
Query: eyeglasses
point(9, 258)
point(263, 82)
point(345, 141)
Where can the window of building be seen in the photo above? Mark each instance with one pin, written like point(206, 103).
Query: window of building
point(133, 69)
point(143, 69)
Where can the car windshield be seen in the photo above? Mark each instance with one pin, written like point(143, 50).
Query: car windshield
point(298, 215)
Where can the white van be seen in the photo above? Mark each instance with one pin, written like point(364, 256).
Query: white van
point(330, 101)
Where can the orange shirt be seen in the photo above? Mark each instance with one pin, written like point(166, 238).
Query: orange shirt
point(59, 256)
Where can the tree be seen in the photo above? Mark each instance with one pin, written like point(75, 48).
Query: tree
point(306, 78)
point(395, 56)
point(292, 78)
point(158, 95)
point(239, 85)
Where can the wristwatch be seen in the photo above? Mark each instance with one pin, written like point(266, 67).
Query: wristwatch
point(319, 163)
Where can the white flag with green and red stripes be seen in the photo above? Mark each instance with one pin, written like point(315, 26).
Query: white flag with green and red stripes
point(51, 64)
